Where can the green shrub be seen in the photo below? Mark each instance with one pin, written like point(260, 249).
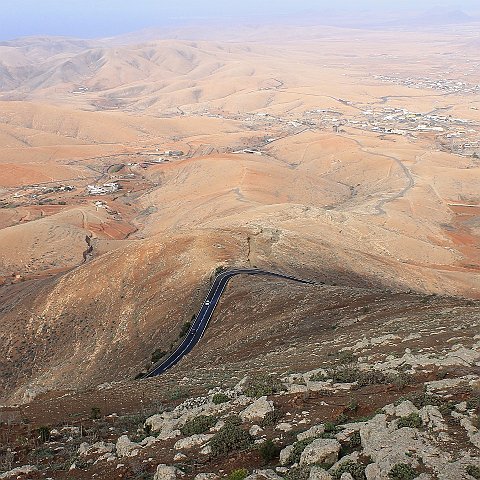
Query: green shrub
point(402, 471)
point(157, 355)
point(219, 398)
point(298, 448)
point(229, 438)
point(271, 418)
point(95, 413)
point(298, 473)
point(198, 425)
point(341, 374)
point(269, 451)
point(346, 358)
point(355, 440)
point(352, 406)
point(352, 374)
point(185, 328)
point(239, 474)
point(356, 470)
point(473, 471)
point(330, 427)
point(473, 403)
point(44, 433)
point(263, 386)
point(233, 420)
point(413, 421)
point(375, 377)
point(178, 393)
point(422, 399)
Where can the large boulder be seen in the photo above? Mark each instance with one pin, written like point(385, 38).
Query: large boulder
point(388, 446)
point(126, 448)
point(193, 441)
point(257, 410)
point(405, 409)
point(322, 450)
point(99, 448)
point(312, 432)
point(167, 472)
point(318, 473)
point(285, 454)
point(206, 476)
point(25, 470)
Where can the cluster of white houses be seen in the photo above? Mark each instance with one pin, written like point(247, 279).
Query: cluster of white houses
point(104, 189)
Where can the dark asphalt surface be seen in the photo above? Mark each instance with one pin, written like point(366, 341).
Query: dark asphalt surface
point(199, 326)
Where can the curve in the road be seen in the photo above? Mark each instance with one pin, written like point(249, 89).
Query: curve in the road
point(197, 330)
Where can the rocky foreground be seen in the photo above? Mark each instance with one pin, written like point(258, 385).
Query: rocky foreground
point(410, 416)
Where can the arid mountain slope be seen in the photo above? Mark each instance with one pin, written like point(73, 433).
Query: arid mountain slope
point(131, 171)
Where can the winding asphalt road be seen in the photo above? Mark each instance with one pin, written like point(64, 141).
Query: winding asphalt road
point(197, 330)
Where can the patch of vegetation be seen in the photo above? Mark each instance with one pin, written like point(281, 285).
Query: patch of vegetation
point(116, 168)
point(230, 438)
point(473, 403)
point(298, 448)
point(342, 374)
point(269, 451)
point(185, 328)
point(346, 358)
point(44, 433)
point(178, 393)
point(342, 418)
point(263, 386)
point(298, 473)
point(330, 427)
point(238, 474)
point(356, 470)
point(473, 471)
point(355, 440)
point(44, 453)
point(95, 413)
point(413, 421)
point(352, 374)
point(198, 425)
point(158, 354)
point(402, 471)
point(352, 406)
point(271, 418)
point(220, 269)
point(422, 399)
point(219, 398)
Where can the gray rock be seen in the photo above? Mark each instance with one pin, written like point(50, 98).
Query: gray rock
point(284, 427)
point(206, 476)
point(257, 410)
point(314, 431)
point(268, 474)
point(373, 472)
point(388, 446)
point(206, 450)
point(193, 441)
point(99, 448)
point(432, 418)
point(126, 448)
point(255, 430)
point(285, 454)
point(147, 442)
point(322, 450)
point(318, 473)
point(25, 470)
point(166, 472)
point(405, 409)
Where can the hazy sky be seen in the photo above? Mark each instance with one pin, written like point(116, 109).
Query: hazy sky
point(101, 18)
